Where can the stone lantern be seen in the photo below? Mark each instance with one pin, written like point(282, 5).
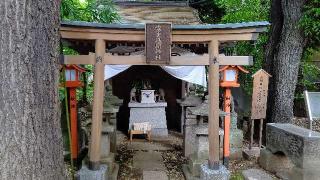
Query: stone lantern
point(109, 129)
point(191, 100)
point(196, 144)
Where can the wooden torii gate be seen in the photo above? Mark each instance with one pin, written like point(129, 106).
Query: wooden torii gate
point(210, 33)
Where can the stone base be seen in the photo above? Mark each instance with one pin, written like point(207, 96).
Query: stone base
point(253, 153)
point(304, 174)
point(194, 165)
point(156, 175)
point(113, 175)
point(208, 174)
point(284, 168)
point(256, 174)
point(235, 153)
point(109, 160)
point(159, 132)
point(274, 163)
point(187, 174)
point(86, 174)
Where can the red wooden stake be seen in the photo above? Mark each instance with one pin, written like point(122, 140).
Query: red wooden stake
point(226, 141)
point(74, 123)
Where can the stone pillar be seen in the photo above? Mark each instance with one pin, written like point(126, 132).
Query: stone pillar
point(189, 133)
point(236, 138)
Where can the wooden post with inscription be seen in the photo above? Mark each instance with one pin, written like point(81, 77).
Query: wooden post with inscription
point(97, 110)
point(158, 43)
point(259, 102)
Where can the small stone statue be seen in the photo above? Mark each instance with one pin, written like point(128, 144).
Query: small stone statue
point(161, 95)
point(192, 89)
point(146, 84)
point(133, 95)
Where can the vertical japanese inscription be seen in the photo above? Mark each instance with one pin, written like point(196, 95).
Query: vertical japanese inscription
point(259, 95)
point(158, 43)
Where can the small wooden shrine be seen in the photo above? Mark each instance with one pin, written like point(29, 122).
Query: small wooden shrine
point(125, 44)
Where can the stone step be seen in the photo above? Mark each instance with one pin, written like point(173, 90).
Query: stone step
point(256, 174)
point(155, 175)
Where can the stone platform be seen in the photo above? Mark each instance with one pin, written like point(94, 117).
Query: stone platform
point(288, 144)
point(154, 113)
point(86, 174)
point(208, 174)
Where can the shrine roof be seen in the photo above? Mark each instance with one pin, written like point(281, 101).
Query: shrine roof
point(156, 11)
point(141, 26)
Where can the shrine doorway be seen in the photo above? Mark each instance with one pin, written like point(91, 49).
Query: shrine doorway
point(123, 83)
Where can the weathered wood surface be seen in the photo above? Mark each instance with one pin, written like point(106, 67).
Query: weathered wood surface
point(184, 60)
point(149, 13)
point(97, 109)
point(260, 94)
point(31, 144)
point(158, 43)
point(213, 122)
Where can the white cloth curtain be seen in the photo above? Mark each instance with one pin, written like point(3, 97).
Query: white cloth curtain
point(192, 74)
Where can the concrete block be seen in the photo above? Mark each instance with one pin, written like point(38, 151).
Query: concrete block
point(208, 174)
point(301, 145)
point(86, 174)
point(304, 174)
point(253, 153)
point(275, 163)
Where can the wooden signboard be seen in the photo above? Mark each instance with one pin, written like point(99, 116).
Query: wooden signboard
point(158, 43)
point(260, 94)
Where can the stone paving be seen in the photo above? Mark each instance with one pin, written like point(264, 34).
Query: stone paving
point(155, 160)
point(256, 174)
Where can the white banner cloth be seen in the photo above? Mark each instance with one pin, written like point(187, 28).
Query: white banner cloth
point(192, 74)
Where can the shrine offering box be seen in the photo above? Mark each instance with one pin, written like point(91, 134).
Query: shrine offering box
point(147, 96)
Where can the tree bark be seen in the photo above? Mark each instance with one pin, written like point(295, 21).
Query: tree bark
point(30, 135)
point(283, 55)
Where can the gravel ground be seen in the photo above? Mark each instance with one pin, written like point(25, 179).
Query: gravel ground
point(304, 122)
point(173, 160)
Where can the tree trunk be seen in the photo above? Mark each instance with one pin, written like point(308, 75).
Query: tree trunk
point(30, 134)
point(283, 56)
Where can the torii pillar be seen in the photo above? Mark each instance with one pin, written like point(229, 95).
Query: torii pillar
point(213, 123)
point(97, 109)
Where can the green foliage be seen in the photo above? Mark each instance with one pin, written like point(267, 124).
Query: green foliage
point(310, 23)
point(236, 176)
point(247, 11)
point(89, 86)
point(102, 11)
point(309, 73)
point(209, 11)
point(244, 10)
point(255, 50)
